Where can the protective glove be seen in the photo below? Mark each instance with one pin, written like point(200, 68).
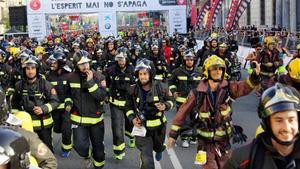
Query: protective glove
point(238, 135)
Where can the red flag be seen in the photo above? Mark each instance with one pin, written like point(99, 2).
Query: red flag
point(214, 10)
point(203, 11)
point(193, 13)
point(231, 14)
point(242, 7)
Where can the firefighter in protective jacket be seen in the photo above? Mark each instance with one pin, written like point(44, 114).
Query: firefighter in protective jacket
point(150, 101)
point(57, 76)
point(211, 99)
point(184, 79)
point(86, 96)
point(119, 77)
point(38, 97)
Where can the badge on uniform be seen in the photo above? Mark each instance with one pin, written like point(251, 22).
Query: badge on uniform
point(201, 158)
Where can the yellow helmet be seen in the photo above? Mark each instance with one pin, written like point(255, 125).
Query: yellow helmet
point(57, 40)
point(39, 50)
point(214, 35)
point(298, 47)
point(294, 69)
point(269, 40)
point(14, 51)
point(214, 60)
point(89, 40)
point(222, 45)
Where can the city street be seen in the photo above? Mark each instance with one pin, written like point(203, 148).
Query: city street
point(178, 158)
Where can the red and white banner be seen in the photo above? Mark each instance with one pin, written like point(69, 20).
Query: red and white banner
point(231, 14)
point(214, 10)
point(203, 11)
point(242, 7)
point(193, 13)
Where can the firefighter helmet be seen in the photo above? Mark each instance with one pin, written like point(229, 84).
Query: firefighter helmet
point(57, 40)
point(144, 64)
point(188, 54)
point(269, 40)
point(81, 57)
point(14, 51)
point(222, 45)
point(39, 50)
point(14, 149)
point(31, 60)
point(57, 57)
point(89, 40)
point(293, 69)
point(276, 99)
point(120, 56)
point(214, 60)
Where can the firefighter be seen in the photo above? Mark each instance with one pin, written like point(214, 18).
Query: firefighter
point(277, 146)
point(200, 53)
point(6, 72)
point(38, 97)
point(269, 61)
point(212, 101)
point(40, 154)
point(15, 150)
point(178, 60)
point(86, 95)
point(150, 101)
point(159, 62)
point(182, 81)
point(110, 52)
point(90, 47)
point(232, 43)
point(119, 77)
point(61, 116)
point(292, 78)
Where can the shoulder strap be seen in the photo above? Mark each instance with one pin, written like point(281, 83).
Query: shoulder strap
point(159, 91)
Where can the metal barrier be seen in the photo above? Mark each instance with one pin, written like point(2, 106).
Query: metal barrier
point(243, 37)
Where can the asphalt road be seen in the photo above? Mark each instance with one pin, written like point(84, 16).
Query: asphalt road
point(244, 109)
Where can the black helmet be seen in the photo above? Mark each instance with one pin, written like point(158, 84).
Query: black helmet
point(144, 64)
point(188, 54)
point(81, 57)
point(123, 50)
point(14, 149)
point(57, 56)
point(31, 60)
point(276, 99)
point(110, 40)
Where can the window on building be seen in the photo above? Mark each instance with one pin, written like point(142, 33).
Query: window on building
point(262, 12)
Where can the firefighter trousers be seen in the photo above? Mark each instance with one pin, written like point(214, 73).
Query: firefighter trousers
point(45, 134)
point(62, 124)
point(188, 132)
point(117, 122)
point(94, 134)
point(154, 141)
